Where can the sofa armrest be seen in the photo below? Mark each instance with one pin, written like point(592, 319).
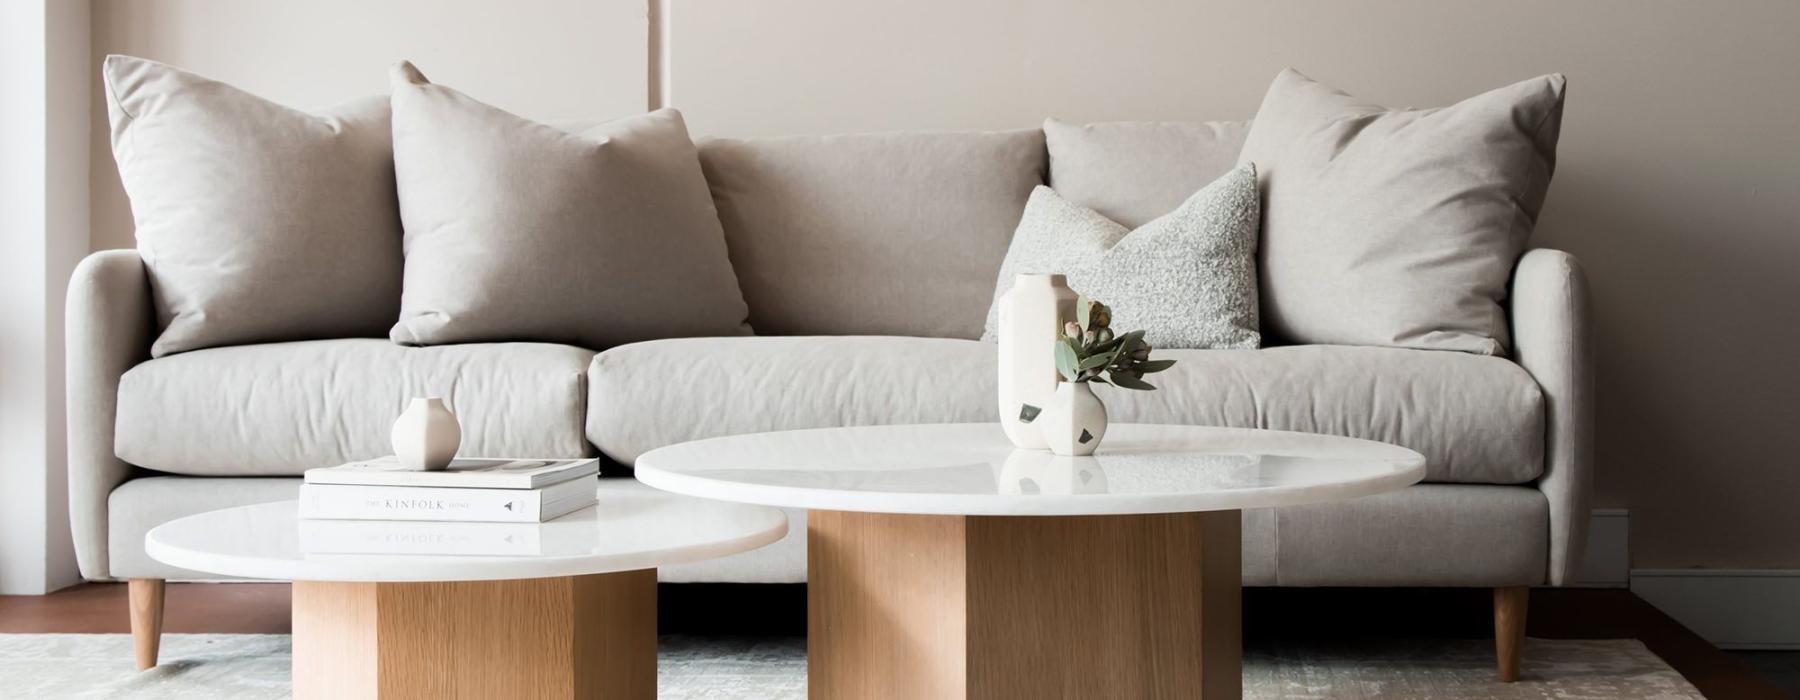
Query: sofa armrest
point(1553, 340)
point(109, 326)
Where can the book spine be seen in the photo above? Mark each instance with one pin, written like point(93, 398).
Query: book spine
point(330, 501)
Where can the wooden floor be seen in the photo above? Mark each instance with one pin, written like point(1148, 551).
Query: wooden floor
point(1285, 613)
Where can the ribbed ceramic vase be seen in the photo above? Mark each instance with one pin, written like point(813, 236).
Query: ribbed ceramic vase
point(1031, 314)
point(1075, 420)
point(427, 435)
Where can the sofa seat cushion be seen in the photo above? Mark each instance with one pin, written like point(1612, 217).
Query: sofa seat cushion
point(283, 408)
point(1477, 419)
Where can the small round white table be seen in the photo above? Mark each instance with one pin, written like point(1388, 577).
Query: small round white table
point(562, 609)
point(942, 562)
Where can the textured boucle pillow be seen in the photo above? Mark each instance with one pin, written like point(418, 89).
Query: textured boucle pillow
point(1186, 278)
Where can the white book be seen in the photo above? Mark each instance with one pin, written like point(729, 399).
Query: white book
point(462, 473)
point(345, 502)
point(458, 539)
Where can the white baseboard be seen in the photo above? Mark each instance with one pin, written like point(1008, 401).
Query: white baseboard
point(1607, 563)
point(1732, 608)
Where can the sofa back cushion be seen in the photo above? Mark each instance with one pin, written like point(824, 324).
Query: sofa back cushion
point(862, 234)
point(257, 222)
point(1133, 172)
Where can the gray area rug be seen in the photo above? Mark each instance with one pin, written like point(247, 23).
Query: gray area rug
point(248, 666)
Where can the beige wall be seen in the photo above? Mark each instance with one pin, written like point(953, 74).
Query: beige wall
point(1679, 182)
point(1679, 185)
point(545, 59)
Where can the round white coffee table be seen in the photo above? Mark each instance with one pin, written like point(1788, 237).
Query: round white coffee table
point(564, 609)
point(942, 562)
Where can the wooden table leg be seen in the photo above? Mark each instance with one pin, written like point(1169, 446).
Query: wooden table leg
point(569, 637)
point(1132, 606)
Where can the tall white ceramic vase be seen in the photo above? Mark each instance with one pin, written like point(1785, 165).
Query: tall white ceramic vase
point(1075, 421)
point(1031, 315)
point(427, 435)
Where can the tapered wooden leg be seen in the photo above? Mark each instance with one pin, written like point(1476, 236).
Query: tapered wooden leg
point(1510, 604)
point(146, 600)
point(911, 606)
point(568, 637)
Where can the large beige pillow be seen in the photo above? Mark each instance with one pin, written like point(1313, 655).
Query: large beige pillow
point(1398, 227)
point(257, 222)
point(520, 231)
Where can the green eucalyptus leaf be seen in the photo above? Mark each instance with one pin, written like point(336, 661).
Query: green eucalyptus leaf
point(1083, 310)
point(1066, 362)
point(1149, 366)
point(1126, 381)
point(1096, 361)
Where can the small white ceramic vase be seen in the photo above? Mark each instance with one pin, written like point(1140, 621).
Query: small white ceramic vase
point(427, 435)
point(1075, 421)
point(1031, 314)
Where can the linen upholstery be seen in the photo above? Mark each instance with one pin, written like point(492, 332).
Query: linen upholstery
point(871, 234)
point(1398, 227)
point(520, 231)
point(1133, 172)
point(257, 222)
point(283, 408)
point(144, 503)
point(108, 326)
point(1553, 340)
point(1187, 279)
point(1424, 535)
point(1475, 419)
point(707, 387)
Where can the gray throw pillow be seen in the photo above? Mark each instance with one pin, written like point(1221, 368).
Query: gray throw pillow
point(1398, 227)
point(520, 231)
point(1187, 278)
point(256, 222)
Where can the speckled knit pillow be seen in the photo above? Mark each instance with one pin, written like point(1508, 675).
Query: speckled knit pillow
point(1187, 278)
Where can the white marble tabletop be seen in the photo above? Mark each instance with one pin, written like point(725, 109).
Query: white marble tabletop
point(971, 469)
point(632, 527)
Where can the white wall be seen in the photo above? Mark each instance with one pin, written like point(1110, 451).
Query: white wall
point(44, 233)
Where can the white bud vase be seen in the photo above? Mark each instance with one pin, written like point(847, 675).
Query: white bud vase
point(427, 435)
point(1031, 315)
point(1075, 421)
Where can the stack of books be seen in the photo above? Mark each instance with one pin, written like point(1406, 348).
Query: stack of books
point(469, 490)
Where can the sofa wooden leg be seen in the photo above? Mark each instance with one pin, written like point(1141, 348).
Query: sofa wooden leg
point(1510, 603)
point(146, 596)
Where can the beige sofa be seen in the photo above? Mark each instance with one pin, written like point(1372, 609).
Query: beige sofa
point(868, 263)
